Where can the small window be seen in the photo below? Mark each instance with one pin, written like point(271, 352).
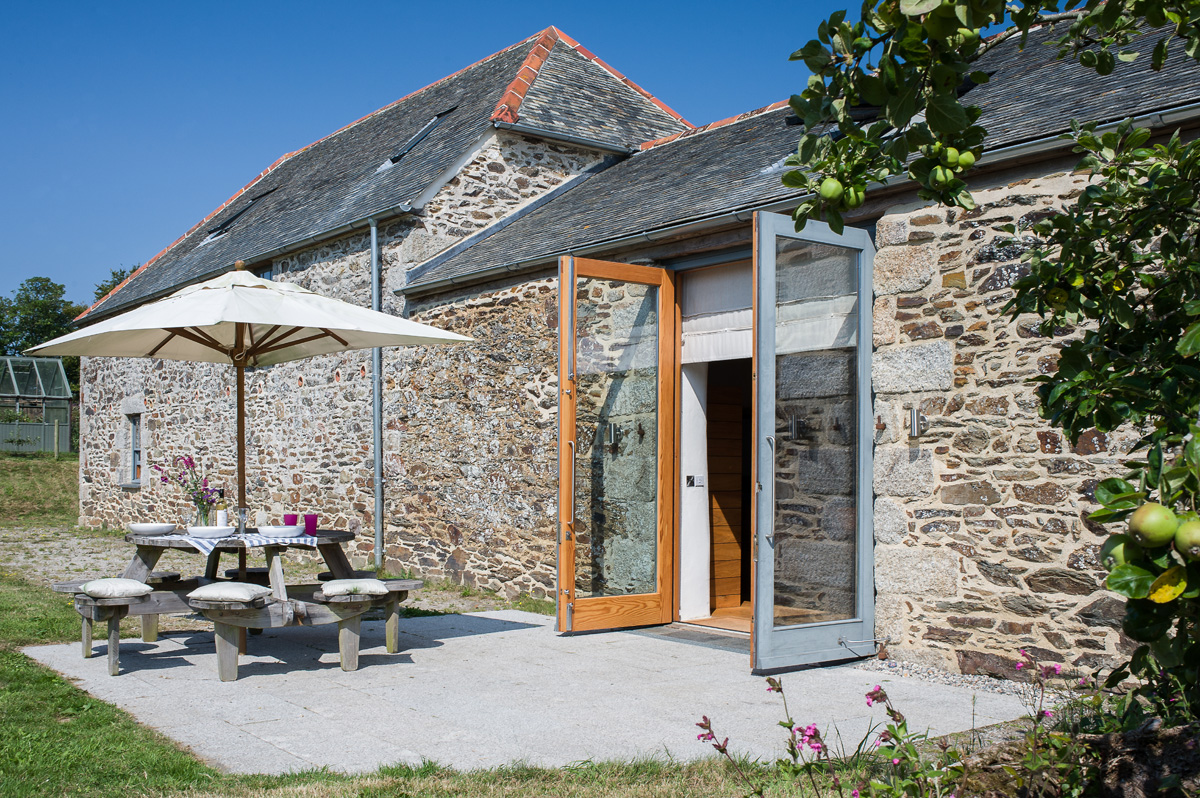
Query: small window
point(223, 228)
point(135, 441)
point(415, 140)
point(264, 272)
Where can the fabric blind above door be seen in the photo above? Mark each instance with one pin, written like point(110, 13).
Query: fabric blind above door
point(715, 305)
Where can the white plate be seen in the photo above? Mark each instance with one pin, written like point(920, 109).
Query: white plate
point(211, 531)
point(281, 531)
point(152, 529)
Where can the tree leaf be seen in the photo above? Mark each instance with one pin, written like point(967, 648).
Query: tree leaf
point(1130, 581)
point(1111, 490)
point(1189, 344)
point(945, 114)
point(1169, 585)
point(915, 8)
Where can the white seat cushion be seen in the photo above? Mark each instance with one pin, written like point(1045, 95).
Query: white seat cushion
point(115, 587)
point(354, 587)
point(228, 591)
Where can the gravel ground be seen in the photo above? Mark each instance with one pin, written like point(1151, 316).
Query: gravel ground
point(981, 683)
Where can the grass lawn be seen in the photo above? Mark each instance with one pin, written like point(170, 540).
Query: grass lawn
point(36, 489)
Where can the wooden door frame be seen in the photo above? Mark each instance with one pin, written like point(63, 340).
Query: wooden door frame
point(610, 612)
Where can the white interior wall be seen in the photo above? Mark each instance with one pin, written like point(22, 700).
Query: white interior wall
point(694, 532)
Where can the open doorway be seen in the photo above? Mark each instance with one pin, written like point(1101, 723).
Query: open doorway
point(729, 431)
point(716, 439)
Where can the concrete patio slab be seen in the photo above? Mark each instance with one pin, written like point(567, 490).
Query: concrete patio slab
point(488, 689)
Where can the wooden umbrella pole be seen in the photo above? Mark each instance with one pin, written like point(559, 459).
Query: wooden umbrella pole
point(241, 471)
point(241, 436)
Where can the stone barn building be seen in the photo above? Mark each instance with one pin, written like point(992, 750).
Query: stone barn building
point(714, 423)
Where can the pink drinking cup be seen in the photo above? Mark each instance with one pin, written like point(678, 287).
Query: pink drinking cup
point(290, 519)
point(310, 523)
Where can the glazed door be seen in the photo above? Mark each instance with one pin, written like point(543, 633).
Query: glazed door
point(615, 445)
point(814, 577)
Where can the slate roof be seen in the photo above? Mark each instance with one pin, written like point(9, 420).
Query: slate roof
point(614, 111)
point(548, 80)
point(724, 167)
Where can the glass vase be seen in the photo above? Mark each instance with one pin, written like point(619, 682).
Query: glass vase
point(203, 515)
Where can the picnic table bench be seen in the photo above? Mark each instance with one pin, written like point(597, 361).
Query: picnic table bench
point(285, 605)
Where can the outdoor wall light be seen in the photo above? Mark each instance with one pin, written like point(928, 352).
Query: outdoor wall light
point(916, 423)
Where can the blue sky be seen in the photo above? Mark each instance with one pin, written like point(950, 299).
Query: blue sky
point(125, 123)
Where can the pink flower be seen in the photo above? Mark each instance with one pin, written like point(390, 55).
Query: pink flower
point(1083, 682)
point(869, 702)
point(895, 761)
point(1023, 653)
point(1057, 669)
point(854, 793)
point(1020, 665)
point(1047, 713)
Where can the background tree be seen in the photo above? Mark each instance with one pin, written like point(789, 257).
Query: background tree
point(38, 311)
point(1121, 265)
point(911, 60)
point(115, 278)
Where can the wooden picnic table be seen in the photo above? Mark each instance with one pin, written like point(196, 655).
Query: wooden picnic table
point(287, 605)
point(151, 547)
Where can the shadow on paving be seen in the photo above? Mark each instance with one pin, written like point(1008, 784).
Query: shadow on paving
point(300, 648)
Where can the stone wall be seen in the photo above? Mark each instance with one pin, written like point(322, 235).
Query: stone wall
point(508, 172)
point(981, 543)
point(470, 442)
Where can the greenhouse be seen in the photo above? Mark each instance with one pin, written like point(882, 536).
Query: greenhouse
point(34, 396)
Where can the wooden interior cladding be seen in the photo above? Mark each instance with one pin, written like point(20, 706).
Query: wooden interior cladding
point(728, 413)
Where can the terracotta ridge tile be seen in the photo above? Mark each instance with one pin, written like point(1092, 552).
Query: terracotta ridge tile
point(508, 109)
point(646, 145)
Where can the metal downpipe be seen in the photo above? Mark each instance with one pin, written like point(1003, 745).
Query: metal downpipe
point(377, 394)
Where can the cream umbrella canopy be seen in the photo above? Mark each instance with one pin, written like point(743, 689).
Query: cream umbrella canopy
point(243, 320)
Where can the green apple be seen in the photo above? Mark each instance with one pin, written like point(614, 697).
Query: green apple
point(1187, 540)
point(1119, 550)
point(831, 189)
point(1153, 525)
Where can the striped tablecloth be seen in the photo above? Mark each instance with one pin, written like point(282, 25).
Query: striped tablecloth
point(206, 545)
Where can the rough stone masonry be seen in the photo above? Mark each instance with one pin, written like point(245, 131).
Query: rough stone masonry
point(982, 542)
point(982, 546)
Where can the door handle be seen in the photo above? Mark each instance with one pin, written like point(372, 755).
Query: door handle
point(770, 539)
point(571, 488)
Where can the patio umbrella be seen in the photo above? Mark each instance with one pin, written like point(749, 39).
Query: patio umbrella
point(244, 320)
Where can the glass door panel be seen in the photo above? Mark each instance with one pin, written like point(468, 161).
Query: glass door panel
point(815, 386)
point(814, 590)
point(616, 435)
